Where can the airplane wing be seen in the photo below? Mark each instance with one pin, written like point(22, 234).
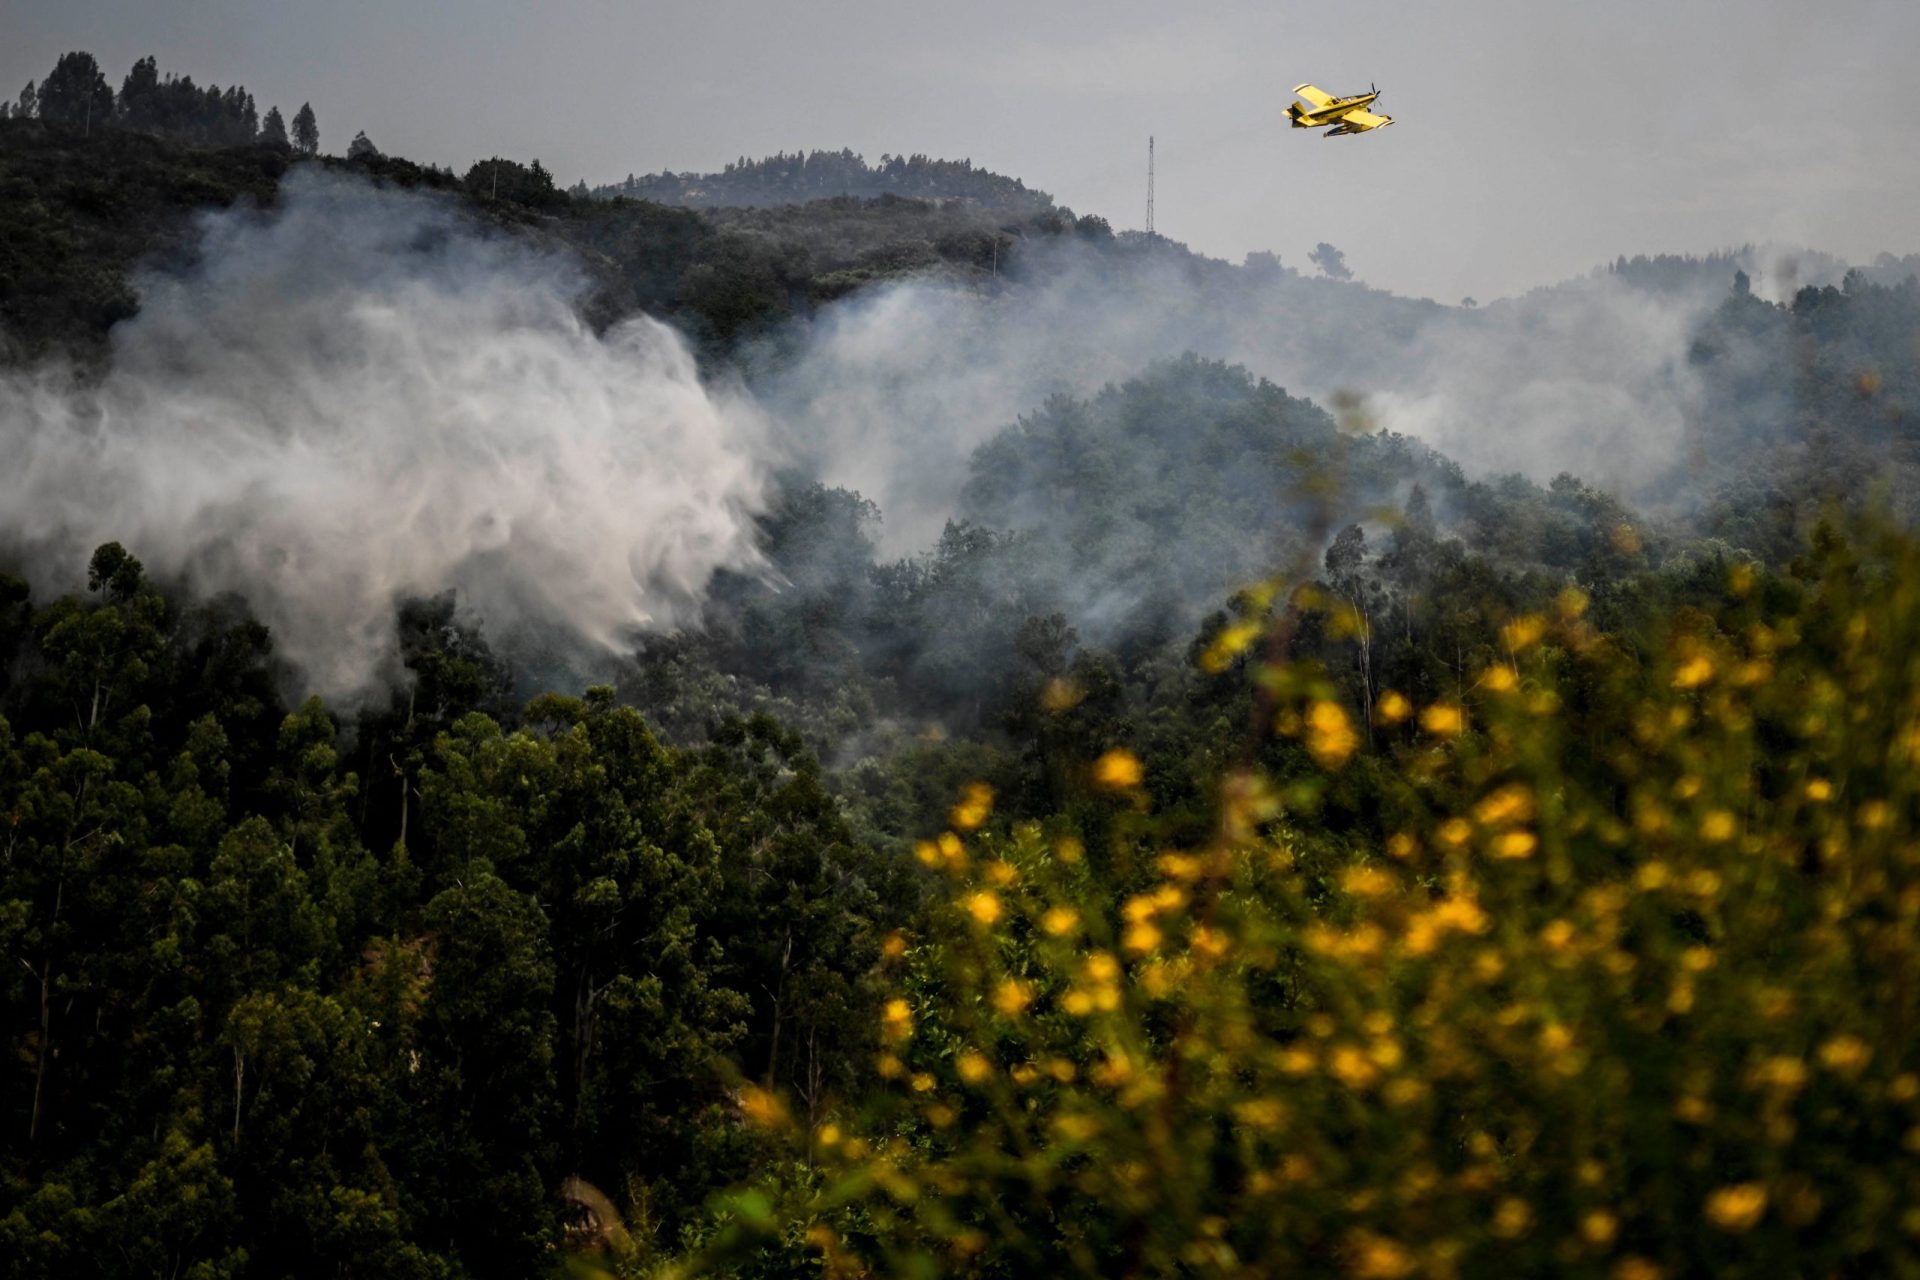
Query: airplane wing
point(1313, 95)
point(1361, 121)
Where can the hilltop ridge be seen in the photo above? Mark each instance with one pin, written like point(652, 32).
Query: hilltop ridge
point(816, 175)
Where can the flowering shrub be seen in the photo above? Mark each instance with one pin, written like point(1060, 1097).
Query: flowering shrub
point(1628, 987)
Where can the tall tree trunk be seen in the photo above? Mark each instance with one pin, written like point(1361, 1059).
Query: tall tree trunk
point(239, 1088)
point(45, 1046)
point(779, 994)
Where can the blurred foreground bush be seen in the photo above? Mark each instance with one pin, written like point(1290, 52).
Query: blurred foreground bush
point(1627, 988)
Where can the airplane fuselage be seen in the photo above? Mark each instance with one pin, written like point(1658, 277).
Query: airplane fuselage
point(1332, 113)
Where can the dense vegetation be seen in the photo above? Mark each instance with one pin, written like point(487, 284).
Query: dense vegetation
point(1616, 979)
point(1243, 844)
point(83, 211)
point(819, 175)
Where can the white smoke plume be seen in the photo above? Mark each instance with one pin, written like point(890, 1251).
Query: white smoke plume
point(894, 389)
point(360, 396)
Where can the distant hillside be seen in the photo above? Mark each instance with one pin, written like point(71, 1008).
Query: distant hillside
point(81, 214)
point(1776, 270)
point(816, 175)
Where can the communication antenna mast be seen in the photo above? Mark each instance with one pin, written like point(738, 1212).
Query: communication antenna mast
point(1149, 186)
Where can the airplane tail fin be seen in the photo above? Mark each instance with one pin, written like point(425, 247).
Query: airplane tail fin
point(1294, 113)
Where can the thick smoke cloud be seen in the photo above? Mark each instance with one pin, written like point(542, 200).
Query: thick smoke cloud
point(894, 389)
point(359, 396)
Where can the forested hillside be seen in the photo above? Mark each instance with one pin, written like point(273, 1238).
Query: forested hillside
point(821, 175)
point(904, 736)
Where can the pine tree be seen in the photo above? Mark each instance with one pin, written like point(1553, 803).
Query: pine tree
point(76, 93)
point(306, 131)
point(28, 101)
point(140, 95)
point(273, 130)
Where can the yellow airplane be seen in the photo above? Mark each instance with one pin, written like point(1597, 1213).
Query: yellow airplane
point(1347, 115)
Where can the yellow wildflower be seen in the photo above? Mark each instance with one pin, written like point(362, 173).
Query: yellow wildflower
point(1352, 1067)
point(1373, 1257)
point(1366, 882)
point(973, 1066)
point(984, 908)
point(1181, 866)
point(1060, 921)
point(1061, 695)
point(1782, 1072)
point(1392, 708)
point(1512, 1218)
point(1515, 844)
point(1694, 672)
point(1523, 632)
point(1510, 804)
point(1845, 1055)
point(762, 1107)
point(1737, 1208)
point(1228, 645)
point(1443, 719)
point(1117, 769)
point(975, 804)
point(1012, 996)
point(1076, 1126)
point(1464, 914)
point(896, 1019)
point(1331, 738)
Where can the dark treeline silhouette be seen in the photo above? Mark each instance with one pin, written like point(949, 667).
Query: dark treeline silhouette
point(75, 94)
point(814, 175)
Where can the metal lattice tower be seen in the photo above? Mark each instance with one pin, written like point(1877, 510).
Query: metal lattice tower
point(1149, 186)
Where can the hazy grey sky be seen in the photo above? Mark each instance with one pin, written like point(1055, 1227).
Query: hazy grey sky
point(1534, 140)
